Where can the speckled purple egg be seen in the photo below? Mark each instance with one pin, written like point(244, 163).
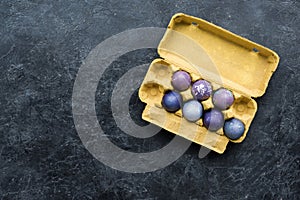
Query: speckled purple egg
point(223, 98)
point(213, 120)
point(201, 90)
point(234, 128)
point(181, 80)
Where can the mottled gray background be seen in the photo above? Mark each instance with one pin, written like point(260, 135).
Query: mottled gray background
point(43, 44)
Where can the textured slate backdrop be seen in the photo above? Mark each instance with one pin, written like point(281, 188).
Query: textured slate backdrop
point(43, 44)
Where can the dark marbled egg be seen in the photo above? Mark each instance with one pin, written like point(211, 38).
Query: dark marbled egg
point(234, 128)
point(172, 101)
point(213, 120)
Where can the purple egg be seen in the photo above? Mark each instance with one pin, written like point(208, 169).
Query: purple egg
point(213, 120)
point(172, 101)
point(181, 80)
point(201, 90)
point(223, 98)
point(234, 128)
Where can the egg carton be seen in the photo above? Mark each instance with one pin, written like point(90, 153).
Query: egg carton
point(207, 52)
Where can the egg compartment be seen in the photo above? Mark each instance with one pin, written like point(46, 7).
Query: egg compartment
point(211, 53)
point(158, 81)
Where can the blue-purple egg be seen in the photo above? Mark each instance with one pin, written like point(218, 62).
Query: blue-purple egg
point(234, 128)
point(213, 120)
point(222, 98)
point(172, 101)
point(201, 90)
point(192, 110)
point(181, 80)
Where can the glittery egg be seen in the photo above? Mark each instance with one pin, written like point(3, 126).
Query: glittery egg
point(171, 101)
point(223, 98)
point(213, 120)
point(192, 110)
point(201, 90)
point(181, 80)
point(234, 128)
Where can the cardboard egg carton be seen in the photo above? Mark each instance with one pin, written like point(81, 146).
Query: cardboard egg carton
point(211, 53)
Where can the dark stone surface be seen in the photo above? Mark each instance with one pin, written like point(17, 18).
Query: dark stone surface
point(43, 44)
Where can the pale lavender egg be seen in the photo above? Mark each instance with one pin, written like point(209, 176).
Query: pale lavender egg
point(223, 98)
point(192, 110)
point(181, 80)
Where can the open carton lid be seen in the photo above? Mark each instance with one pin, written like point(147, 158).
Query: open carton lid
point(218, 55)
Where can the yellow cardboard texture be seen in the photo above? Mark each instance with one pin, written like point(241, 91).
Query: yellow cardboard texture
point(208, 52)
